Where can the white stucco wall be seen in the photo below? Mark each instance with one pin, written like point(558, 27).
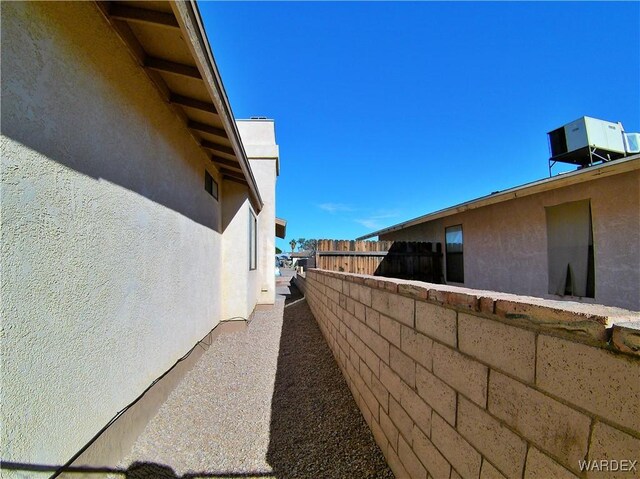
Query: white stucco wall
point(259, 140)
point(265, 173)
point(111, 247)
point(505, 245)
point(240, 287)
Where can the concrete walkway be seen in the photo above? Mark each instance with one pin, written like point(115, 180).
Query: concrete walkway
point(269, 401)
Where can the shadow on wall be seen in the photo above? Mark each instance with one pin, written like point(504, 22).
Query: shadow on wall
point(316, 427)
point(71, 92)
point(235, 196)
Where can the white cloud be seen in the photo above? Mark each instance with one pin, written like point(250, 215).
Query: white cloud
point(334, 207)
point(373, 221)
point(382, 214)
point(370, 223)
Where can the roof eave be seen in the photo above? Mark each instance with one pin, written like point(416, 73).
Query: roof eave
point(587, 174)
point(281, 228)
point(190, 21)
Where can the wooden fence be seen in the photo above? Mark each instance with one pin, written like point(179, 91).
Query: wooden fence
point(393, 259)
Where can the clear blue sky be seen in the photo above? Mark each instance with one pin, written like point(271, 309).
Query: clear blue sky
point(388, 111)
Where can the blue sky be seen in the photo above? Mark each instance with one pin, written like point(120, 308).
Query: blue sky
point(388, 111)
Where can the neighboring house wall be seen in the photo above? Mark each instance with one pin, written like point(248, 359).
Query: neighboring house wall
point(111, 247)
point(505, 244)
point(258, 138)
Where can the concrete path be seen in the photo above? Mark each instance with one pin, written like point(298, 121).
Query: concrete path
point(269, 401)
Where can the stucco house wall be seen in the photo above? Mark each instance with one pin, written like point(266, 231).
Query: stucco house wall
point(264, 172)
point(112, 250)
point(259, 140)
point(240, 286)
point(505, 244)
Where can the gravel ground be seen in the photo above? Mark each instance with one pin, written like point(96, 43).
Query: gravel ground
point(269, 401)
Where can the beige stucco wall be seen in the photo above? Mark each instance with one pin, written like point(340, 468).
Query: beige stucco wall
point(111, 247)
point(240, 287)
point(265, 174)
point(505, 245)
point(258, 138)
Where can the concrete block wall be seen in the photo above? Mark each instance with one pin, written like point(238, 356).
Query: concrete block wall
point(474, 384)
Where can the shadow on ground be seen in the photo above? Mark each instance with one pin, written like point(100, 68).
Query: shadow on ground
point(316, 427)
point(137, 470)
point(148, 470)
point(294, 294)
point(286, 287)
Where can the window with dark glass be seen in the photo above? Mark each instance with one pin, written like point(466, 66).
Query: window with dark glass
point(253, 240)
point(453, 249)
point(570, 249)
point(210, 185)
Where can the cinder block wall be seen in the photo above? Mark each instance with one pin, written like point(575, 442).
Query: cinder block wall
point(472, 384)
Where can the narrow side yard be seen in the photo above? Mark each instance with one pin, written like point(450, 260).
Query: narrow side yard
point(269, 401)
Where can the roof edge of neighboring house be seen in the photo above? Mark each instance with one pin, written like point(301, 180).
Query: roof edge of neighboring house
point(303, 254)
point(190, 21)
point(281, 227)
point(610, 168)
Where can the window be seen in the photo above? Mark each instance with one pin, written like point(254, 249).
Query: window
point(253, 240)
point(210, 185)
point(453, 248)
point(570, 249)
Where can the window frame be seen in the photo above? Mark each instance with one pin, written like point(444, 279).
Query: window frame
point(209, 182)
point(448, 254)
point(253, 241)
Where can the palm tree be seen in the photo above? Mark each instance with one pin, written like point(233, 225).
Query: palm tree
point(292, 243)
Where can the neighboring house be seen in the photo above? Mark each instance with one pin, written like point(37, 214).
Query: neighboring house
point(137, 216)
point(575, 236)
point(306, 259)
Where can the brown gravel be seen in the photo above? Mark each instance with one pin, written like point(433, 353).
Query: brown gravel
point(266, 402)
point(316, 427)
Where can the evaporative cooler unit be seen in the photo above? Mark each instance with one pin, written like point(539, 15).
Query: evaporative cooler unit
point(588, 140)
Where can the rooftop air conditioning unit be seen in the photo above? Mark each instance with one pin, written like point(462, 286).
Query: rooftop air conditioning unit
point(587, 140)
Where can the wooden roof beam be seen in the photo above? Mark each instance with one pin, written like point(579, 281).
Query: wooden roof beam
point(235, 180)
point(193, 103)
point(142, 15)
point(167, 66)
point(215, 147)
point(124, 32)
point(234, 174)
point(212, 130)
point(224, 162)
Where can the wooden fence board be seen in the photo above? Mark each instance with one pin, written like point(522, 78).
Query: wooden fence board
point(395, 259)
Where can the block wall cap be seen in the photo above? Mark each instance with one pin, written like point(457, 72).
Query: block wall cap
point(590, 322)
